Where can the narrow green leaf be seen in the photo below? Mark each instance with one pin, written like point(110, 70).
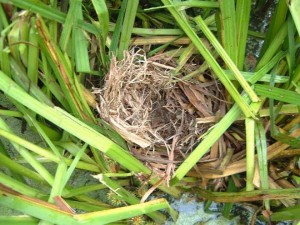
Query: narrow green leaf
point(4, 21)
point(229, 28)
point(278, 94)
point(243, 8)
point(289, 213)
point(114, 45)
point(68, 25)
point(274, 45)
point(18, 220)
point(18, 168)
point(33, 53)
point(5, 131)
point(103, 17)
point(24, 38)
point(80, 43)
point(52, 213)
point(126, 196)
point(127, 27)
point(261, 148)
point(294, 6)
point(18, 186)
point(250, 153)
point(278, 19)
point(59, 181)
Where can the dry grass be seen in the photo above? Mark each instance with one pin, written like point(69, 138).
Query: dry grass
point(155, 113)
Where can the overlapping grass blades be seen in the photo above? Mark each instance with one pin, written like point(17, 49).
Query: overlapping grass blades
point(46, 54)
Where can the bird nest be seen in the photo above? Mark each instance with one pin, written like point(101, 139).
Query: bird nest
point(156, 113)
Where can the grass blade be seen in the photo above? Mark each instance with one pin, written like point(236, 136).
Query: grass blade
point(261, 148)
point(294, 7)
point(278, 94)
point(53, 214)
point(250, 153)
point(243, 8)
point(68, 25)
point(127, 27)
point(229, 28)
point(278, 19)
point(33, 53)
point(79, 42)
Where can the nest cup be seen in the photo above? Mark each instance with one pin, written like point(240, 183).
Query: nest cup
point(150, 109)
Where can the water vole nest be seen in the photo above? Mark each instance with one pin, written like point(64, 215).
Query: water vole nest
point(152, 110)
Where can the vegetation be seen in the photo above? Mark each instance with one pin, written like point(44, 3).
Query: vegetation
point(215, 119)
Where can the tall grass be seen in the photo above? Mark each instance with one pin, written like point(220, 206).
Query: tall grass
point(48, 53)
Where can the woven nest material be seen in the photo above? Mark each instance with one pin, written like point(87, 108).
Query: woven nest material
point(153, 111)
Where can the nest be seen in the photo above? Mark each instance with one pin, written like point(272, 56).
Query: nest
point(154, 112)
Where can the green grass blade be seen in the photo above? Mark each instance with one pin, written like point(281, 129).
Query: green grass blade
point(53, 214)
point(186, 4)
point(229, 28)
point(185, 56)
point(18, 168)
point(72, 167)
point(267, 67)
point(18, 186)
point(127, 27)
point(21, 143)
point(4, 22)
point(126, 196)
point(68, 25)
point(294, 6)
point(13, 38)
point(261, 148)
point(265, 77)
point(274, 46)
point(75, 150)
point(291, 41)
point(59, 181)
point(103, 17)
point(20, 77)
point(243, 8)
point(89, 188)
point(103, 28)
point(33, 53)
point(278, 94)
point(18, 220)
point(4, 60)
point(6, 132)
point(61, 67)
point(80, 43)
point(24, 38)
point(114, 45)
point(278, 19)
point(289, 213)
point(40, 8)
point(250, 153)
